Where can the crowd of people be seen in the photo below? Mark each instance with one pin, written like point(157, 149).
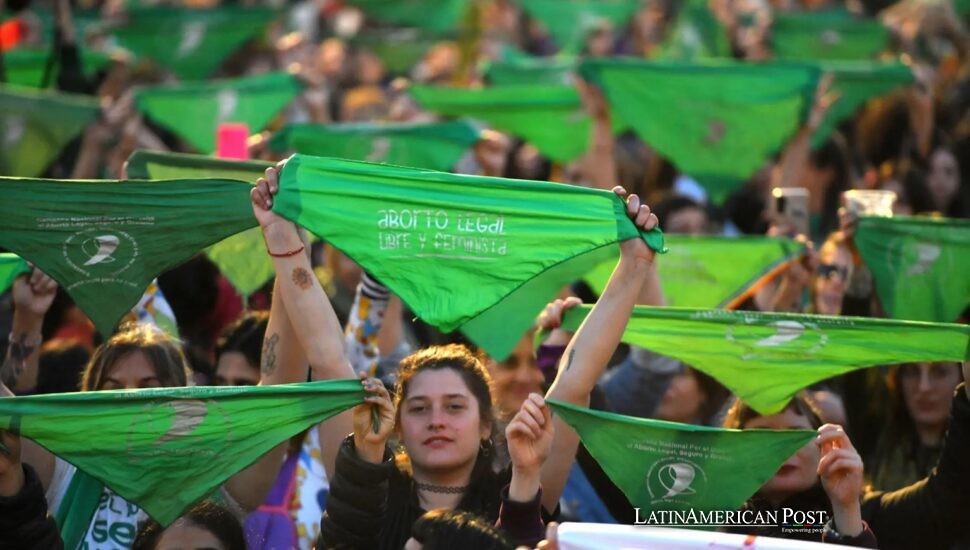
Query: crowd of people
point(452, 447)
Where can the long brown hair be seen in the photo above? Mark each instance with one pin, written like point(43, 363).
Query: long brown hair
point(159, 349)
point(740, 413)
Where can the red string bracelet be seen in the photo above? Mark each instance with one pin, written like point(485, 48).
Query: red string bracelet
point(288, 254)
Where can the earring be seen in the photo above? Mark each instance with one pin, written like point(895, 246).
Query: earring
point(485, 447)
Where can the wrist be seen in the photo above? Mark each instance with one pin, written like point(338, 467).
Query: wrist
point(369, 451)
point(847, 519)
point(525, 484)
point(26, 322)
point(281, 236)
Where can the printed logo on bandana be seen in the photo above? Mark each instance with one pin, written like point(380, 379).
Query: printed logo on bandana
point(926, 256)
point(227, 101)
point(100, 252)
point(192, 34)
point(671, 479)
point(379, 150)
point(831, 37)
point(716, 129)
point(776, 340)
point(15, 127)
point(178, 422)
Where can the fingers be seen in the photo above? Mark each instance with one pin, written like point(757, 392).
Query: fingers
point(532, 419)
point(41, 283)
point(832, 436)
point(620, 191)
point(845, 460)
point(571, 302)
point(637, 211)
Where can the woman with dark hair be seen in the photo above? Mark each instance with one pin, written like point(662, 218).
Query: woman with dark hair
point(447, 529)
point(206, 525)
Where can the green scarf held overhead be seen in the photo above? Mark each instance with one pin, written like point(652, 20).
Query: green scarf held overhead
point(719, 122)
point(569, 21)
point(104, 241)
point(26, 67)
point(827, 35)
point(711, 272)
point(766, 358)
point(696, 34)
point(399, 49)
point(484, 254)
point(921, 265)
point(191, 43)
point(857, 82)
point(36, 124)
point(194, 111)
point(663, 465)
point(166, 448)
point(549, 117)
point(242, 257)
point(437, 16)
point(435, 145)
point(11, 267)
point(530, 71)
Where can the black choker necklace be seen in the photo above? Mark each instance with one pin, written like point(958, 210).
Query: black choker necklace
point(443, 489)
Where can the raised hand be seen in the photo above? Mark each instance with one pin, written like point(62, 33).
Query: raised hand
point(262, 196)
point(551, 320)
point(644, 219)
point(369, 440)
point(840, 469)
point(529, 438)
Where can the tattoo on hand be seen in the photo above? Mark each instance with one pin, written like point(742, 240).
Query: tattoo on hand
point(569, 362)
point(16, 361)
point(268, 360)
point(302, 278)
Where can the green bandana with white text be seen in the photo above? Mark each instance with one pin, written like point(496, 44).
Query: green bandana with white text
point(104, 241)
point(549, 117)
point(435, 145)
point(191, 43)
point(827, 35)
point(711, 271)
point(921, 265)
point(166, 448)
point(242, 257)
point(681, 467)
point(696, 34)
point(36, 124)
point(194, 111)
point(766, 358)
point(484, 254)
point(718, 122)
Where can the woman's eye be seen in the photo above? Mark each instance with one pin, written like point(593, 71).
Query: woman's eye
point(456, 407)
point(416, 410)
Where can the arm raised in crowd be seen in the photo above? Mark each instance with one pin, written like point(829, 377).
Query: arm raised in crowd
point(594, 343)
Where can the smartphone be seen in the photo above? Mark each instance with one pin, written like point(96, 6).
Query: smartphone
point(789, 210)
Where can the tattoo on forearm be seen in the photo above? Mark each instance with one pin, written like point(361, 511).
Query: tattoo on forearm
point(16, 361)
point(268, 360)
point(569, 362)
point(302, 278)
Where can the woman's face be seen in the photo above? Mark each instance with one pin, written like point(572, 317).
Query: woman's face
point(682, 400)
point(944, 178)
point(799, 472)
point(834, 272)
point(132, 371)
point(440, 424)
point(515, 378)
point(687, 221)
point(901, 207)
point(183, 535)
point(927, 391)
point(233, 369)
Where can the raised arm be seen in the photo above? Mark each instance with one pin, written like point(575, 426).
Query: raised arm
point(591, 348)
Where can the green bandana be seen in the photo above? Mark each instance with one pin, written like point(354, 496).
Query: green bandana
point(242, 257)
point(532, 71)
point(486, 253)
point(399, 49)
point(11, 267)
point(858, 82)
point(709, 272)
point(569, 21)
point(192, 43)
point(104, 241)
point(35, 125)
point(436, 145)
point(26, 67)
point(718, 122)
point(439, 16)
point(549, 117)
point(194, 111)
point(827, 35)
point(765, 358)
point(681, 467)
point(920, 265)
point(166, 448)
point(696, 34)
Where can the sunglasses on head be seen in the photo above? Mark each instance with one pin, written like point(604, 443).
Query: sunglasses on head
point(829, 271)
